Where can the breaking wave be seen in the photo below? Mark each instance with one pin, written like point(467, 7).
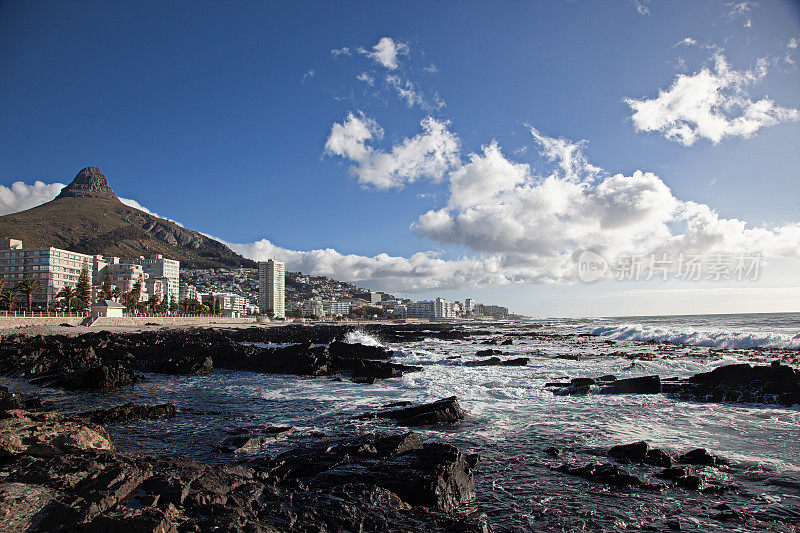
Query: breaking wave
point(697, 337)
point(359, 336)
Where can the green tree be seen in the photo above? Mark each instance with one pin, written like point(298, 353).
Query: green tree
point(67, 294)
point(105, 289)
point(152, 302)
point(115, 294)
point(27, 287)
point(7, 299)
point(83, 289)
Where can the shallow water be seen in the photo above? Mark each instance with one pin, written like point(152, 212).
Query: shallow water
point(512, 419)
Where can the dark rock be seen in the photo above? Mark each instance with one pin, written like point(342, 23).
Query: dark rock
point(640, 452)
point(608, 377)
point(699, 456)
point(582, 382)
point(489, 352)
point(445, 411)
point(9, 400)
point(507, 342)
point(358, 351)
point(640, 385)
point(99, 379)
point(130, 412)
point(554, 452)
point(496, 361)
point(743, 383)
point(602, 473)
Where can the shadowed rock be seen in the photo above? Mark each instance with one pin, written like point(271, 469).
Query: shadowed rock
point(445, 411)
point(130, 412)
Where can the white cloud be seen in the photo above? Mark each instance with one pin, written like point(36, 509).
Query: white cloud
point(405, 90)
point(420, 272)
point(641, 6)
point(310, 73)
point(711, 104)
point(433, 69)
point(741, 11)
point(21, 196)
point(687, 41)
point(792, 43)
point(568, 155)
point(366, 78)
point(501, 208)
point(336, 52)
point(386, 51)
point(429, 154)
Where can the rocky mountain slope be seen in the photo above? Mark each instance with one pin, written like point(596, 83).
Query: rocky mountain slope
point(88, 217)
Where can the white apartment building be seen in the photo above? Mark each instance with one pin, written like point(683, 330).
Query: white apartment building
point(439, 308)
point(157, 266)
point(231, 304)
point(271, 288)
point(443, 309)
point(423, 309)
point(335, 308)
point(52, 267)
point(187, 292)
point(124, 276)
point(314, 307)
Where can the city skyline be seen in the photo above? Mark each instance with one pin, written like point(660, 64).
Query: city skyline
point(379, 170)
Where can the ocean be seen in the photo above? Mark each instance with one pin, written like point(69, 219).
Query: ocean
point(512, 418)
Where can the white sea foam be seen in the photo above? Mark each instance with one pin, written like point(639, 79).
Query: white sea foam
point(698, 337)
point(359, 336)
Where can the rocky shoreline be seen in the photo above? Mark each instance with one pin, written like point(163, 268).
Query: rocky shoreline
point(62, 472)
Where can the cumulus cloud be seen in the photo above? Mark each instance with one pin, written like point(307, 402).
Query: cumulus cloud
point(711, 104)
point(310, 73)
point(687, 41)
point(21, 196)
point(502, 208)
point(386, 51)
point(429, 154)
point(421, 271)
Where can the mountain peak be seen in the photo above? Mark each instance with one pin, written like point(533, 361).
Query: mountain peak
point(88, 183)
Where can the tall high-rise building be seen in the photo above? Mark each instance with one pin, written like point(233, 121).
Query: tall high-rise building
point(271, 293)
point(469, 306)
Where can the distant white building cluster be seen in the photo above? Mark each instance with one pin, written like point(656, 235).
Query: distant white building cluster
point(56, 269)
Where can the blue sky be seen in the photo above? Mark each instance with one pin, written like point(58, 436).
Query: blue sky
point(218, 115)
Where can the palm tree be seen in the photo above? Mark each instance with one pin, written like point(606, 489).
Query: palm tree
point(152, 302)
point(27, 287)
point(115, 294)
point(7, 298)
point(67, 294)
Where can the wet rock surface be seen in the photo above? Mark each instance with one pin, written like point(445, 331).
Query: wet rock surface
point(738, 383)
point(441, 412)
point(74, 480)
point(102, 362)
point(130, 412)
